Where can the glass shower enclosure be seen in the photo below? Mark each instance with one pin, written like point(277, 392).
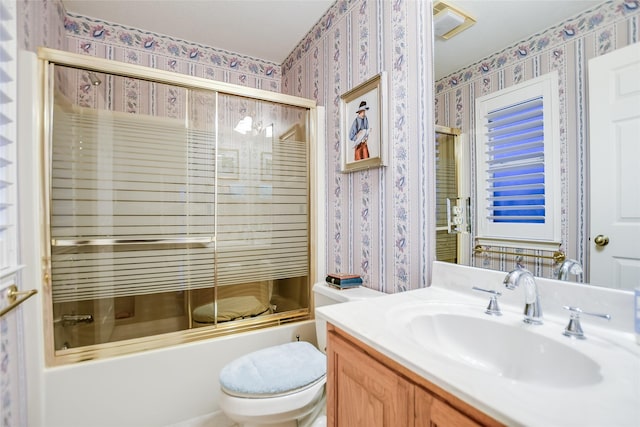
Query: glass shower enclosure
point(175, 210)
point(453, 210)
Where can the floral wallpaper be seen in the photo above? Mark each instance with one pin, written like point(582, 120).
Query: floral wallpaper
point(114, 41)
point(567, 48)
point(551, 41)
point(40, 23)
point(46, 23)
point(377, 219)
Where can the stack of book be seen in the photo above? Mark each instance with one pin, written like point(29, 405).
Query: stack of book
point(344, 281)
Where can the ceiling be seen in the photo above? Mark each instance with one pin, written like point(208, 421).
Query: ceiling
point(500, 23)
point(271, 29)
point(262, 29)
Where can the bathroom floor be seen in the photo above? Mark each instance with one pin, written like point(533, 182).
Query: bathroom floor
point(219, 420)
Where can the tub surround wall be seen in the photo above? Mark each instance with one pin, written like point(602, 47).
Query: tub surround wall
point(566, 47)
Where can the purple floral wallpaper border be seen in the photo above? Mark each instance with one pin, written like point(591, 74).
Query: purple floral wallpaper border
point(576, 27)
point(116, 34)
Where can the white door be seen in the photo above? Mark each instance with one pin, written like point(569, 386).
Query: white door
point(614, 114)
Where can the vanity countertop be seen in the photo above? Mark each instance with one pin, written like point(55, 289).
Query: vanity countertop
point(594, 382)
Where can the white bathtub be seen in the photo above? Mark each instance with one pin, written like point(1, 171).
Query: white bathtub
point(153, 388)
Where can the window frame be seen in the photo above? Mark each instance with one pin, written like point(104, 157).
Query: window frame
point(541, 236)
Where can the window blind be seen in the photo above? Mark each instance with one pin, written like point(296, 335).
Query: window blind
point(8, 90)
point(515, 163)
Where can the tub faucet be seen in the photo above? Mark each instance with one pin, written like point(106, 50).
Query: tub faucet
point(532, 307)
point(569, 266)
point(74, 319)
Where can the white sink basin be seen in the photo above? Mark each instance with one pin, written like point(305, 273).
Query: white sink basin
point(503, 347)
point(518, 374)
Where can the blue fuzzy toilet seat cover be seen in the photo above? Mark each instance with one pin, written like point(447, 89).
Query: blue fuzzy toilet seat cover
point(274, 370)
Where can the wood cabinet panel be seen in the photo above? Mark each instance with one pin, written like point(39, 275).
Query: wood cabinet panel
point(432, 412)
point(363, 392)
point(422, 411)
point(366, 388)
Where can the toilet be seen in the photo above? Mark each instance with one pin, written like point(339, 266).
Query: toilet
point(284, 385)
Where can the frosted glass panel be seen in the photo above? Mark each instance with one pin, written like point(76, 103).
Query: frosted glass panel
point(165, 215)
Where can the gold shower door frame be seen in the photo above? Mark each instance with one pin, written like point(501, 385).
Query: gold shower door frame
point(47, 59)
point(459, 162)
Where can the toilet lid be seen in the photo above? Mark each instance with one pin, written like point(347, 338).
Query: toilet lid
point(273, 371)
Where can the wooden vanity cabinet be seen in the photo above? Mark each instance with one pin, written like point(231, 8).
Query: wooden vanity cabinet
point(366, 388)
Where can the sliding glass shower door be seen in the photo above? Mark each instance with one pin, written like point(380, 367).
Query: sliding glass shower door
point(172, 209)
point(452, 198)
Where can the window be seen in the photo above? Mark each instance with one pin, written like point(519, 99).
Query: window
point(517, 152)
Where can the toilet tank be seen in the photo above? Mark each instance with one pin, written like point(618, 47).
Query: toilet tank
point(324, 294)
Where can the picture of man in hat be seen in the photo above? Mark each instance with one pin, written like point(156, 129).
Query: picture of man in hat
point(359, 133)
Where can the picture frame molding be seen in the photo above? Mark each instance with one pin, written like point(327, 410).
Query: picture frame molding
point(374, 88)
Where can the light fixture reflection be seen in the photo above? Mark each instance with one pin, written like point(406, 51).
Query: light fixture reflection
point(244, 126)
point(248, 126)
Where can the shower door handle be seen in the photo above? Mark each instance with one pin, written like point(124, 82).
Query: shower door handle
point(133, 241)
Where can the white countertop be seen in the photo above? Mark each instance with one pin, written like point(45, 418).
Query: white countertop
point(612, 401)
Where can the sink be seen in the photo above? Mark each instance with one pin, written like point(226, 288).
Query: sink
point(503, 347)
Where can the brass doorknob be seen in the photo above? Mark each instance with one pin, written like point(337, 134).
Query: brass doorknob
point(601, 240)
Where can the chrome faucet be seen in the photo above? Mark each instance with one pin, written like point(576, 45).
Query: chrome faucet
point(569, 266)
point(532, 307)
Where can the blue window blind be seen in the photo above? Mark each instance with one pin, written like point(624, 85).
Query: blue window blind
point(515, 163)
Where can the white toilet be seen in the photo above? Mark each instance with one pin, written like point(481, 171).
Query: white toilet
point(283, 385)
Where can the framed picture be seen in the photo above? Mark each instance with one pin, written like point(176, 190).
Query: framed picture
point(363, 119)
point(227, 163)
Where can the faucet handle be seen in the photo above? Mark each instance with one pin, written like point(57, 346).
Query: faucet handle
point(492, 309)
point(573, 329)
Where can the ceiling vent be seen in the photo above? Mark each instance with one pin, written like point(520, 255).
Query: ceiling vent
point(449, 21)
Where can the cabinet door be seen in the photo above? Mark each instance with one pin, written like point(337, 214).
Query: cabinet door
point(432, 412)
point(363, 392)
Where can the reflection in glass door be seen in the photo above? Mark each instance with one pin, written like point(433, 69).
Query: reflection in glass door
point(452, 197)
